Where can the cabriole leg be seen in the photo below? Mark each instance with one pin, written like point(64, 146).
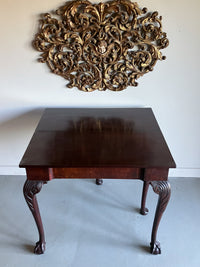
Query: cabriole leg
point(143, 209)
point(31, 188)
point(162, 188)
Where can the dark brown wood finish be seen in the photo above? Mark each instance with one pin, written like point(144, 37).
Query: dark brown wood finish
point(144, 210)
point(99, 181)
point(31, 188)
point(122, 143)
point(163, 189)
point(125, 138)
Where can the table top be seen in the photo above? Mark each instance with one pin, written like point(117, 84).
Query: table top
point(104, 137)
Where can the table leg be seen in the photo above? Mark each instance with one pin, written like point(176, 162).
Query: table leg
point(162, 188)
point(99, 181)
point(143, 209)
point(31, 188)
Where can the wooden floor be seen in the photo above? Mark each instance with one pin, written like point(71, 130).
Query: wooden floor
point(99, 226)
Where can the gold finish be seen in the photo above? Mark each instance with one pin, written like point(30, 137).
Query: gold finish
point(101, 46)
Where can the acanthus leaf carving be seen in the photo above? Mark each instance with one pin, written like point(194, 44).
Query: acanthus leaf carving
point(101, 46)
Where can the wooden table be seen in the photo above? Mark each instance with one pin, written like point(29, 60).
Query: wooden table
point(121, 143)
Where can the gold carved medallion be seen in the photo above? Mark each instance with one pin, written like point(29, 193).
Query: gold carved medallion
point(101, 46)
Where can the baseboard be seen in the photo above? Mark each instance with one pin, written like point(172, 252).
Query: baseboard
point(12, 170)
point(181, 172)
point(178, 172)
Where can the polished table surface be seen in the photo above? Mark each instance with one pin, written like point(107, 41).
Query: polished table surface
point(123, 143)
point(98, 138)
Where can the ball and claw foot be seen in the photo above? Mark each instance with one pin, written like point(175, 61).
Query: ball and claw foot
point(144, 211)
point(39, 248)
point(99, 181)
point(155, 248)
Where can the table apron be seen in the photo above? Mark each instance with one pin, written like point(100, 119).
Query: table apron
point(47, 174)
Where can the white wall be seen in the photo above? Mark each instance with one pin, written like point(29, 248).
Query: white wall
point(172, 89)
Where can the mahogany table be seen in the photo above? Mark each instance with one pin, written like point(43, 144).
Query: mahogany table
point(121, 143)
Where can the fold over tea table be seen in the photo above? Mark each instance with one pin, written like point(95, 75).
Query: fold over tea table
point(107, 143)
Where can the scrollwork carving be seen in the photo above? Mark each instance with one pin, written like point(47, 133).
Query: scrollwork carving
point(101, 46)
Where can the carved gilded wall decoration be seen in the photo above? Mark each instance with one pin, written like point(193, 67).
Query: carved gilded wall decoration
point(101, 46)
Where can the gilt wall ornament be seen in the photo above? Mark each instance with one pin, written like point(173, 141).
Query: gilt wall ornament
point(101, 46)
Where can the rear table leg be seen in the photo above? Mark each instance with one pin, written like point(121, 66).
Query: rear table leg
point(143, 209)
point(31, 188)
point(99, 181)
